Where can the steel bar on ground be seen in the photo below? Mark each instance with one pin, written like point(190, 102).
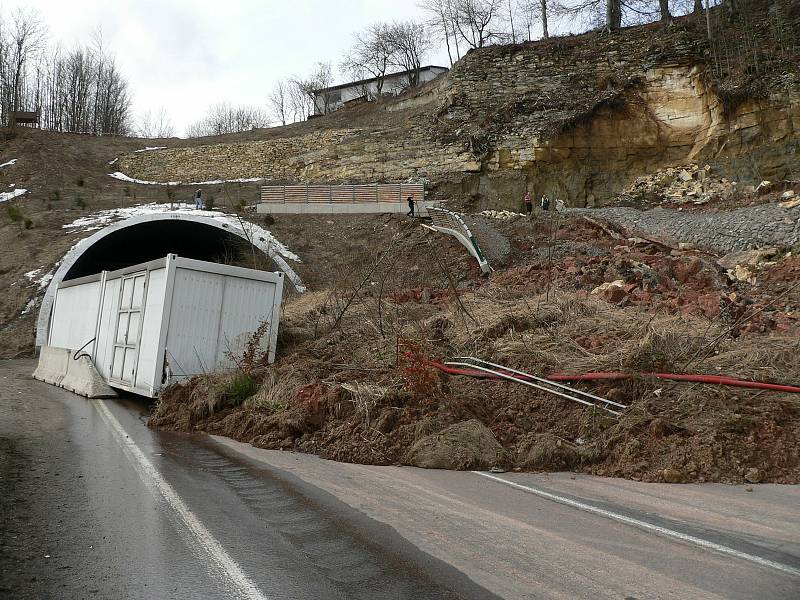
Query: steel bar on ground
point(533, 385)
point(542, 380)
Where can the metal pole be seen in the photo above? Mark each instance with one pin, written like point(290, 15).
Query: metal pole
point(547, 381)
point(530, 384)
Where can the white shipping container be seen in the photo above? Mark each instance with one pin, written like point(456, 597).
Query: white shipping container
point(155, 323)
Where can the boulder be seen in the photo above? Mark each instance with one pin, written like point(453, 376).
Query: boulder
point(466, 445)
point(613, 291)
point(746, 257)
point(753, 476)
point(546, 452)
point(672, 476)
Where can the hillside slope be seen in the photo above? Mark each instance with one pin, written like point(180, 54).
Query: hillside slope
point(578, 118)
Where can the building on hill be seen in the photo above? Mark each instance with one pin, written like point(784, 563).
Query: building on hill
point(327, 100)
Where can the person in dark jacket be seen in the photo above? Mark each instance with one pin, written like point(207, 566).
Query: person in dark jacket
point(410, 212)
point(198, 200)
point(545, 202)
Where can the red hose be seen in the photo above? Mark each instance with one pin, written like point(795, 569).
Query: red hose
point(713, 379)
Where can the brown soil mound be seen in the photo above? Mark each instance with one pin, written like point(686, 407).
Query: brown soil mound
point(467, 445)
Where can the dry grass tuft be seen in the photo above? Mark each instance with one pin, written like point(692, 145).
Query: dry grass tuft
point(365, 397)
point(277, 391)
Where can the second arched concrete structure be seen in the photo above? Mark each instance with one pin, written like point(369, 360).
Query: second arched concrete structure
point(229, 224)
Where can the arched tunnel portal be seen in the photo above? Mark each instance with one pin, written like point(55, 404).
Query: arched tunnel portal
point(218, 238)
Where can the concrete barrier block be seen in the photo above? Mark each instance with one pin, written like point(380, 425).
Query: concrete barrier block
point(53, 364)
point(83, 378)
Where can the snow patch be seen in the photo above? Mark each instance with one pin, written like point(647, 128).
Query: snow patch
point(151, 148)
point(9, 163)
point(43, 281)
point(29, 306)
point(5, 196)
point(123, 177)
point(113, 162)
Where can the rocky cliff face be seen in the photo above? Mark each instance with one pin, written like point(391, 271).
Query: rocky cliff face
point(578, 118)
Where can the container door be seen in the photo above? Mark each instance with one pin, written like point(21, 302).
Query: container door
point(129, 328)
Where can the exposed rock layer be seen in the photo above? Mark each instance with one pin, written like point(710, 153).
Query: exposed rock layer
point(578, 118)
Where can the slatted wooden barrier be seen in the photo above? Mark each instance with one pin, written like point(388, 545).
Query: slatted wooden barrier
point(349, 194)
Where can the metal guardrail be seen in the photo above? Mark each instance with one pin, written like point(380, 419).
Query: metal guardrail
point(552, 387)
point(344, 194)
point(447, 221)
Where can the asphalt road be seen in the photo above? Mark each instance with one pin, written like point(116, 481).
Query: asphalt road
point(95, 505)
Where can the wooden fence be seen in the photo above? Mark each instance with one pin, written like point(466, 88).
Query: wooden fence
point(342, 194)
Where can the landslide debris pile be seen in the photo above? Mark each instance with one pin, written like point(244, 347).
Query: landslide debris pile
point(680, 185)
point(354, 380)
point(694, 185)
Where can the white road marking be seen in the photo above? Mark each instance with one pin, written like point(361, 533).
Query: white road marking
point(237, 582)
point(648, 526)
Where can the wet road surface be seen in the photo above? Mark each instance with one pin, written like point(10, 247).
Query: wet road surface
point(95, 505)
point(84, 516)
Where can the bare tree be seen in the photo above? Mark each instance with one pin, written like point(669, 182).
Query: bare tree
point(511, 9)
point(477, 21)
point(279, 101)
point(410, 43)
point(531, 12)
point(299, 103)
point(80, 90)
point(223, 118)
point(441, 22)
point(155, 125)
point(613, 14)
point(592, 13)
point(666, 16)
point(543, 15)
point(318, 97)
point(28, 34)
point(371, 55)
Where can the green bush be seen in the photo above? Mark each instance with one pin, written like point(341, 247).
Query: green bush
point(241, 387)
point(14, 213)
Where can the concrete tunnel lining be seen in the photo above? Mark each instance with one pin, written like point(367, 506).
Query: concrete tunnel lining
point(147, 237)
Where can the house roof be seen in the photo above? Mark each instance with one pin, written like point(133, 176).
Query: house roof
point(342, 86)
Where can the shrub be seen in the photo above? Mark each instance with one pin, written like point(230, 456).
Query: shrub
point(253, 354)
point(419, 377)
point(28, 224)
point(209, 202)
point(80, 202)
point(14, 213)
point(241, 387)
point(80, 181)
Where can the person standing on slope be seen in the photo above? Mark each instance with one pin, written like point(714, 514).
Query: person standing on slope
point(528, 204)
point(198, 200)
point(410, 212)
point(545, 203)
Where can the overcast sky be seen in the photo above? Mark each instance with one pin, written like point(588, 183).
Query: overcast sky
point(185, 55)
